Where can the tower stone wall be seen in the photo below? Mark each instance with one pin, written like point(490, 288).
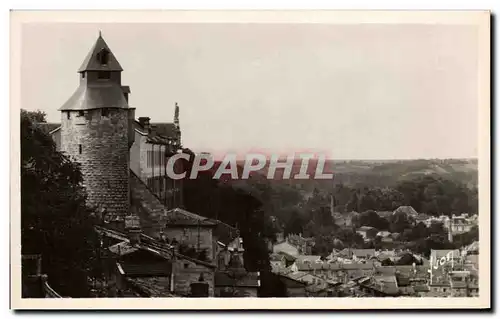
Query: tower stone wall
point(101, 145)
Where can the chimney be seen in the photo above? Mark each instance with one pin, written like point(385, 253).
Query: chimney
point(144, 121)
point(133, 228)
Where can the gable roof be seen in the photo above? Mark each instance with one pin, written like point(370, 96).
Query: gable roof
point(407, 210)
point(91, 61)
point(308, 258)
point(123, 248)
point(152, 245)
point(179, 216)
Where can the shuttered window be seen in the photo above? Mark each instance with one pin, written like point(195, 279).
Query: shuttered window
point(155, 158)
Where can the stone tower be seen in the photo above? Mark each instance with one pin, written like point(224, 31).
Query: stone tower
point(97, 130)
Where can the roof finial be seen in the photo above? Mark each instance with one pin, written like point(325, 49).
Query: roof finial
point(100, 35)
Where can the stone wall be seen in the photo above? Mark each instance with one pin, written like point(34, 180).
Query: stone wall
point(149, 209)
point(104, 155)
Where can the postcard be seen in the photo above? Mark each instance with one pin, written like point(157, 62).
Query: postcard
point(282, 159)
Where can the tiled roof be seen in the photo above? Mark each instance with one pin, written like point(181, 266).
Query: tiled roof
point(387, 284)
point(164, 129)
point(357, 266)
point(306, 266)
point(407, 210)
point(363, 252)
point(179, 216)
point(308, 258)
point(123, 248)
point(91, 62)
point(409, 271)
point(386, 270)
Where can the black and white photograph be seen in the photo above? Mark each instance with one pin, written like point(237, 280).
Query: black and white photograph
point(290, 160)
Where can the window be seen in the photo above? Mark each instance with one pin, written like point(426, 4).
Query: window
point(103, 56)
point(80, 148)
point(83, 75)
point(105, 112)
point(155, 158)
point(186, 265)
point(81, 113)
point(104, 75)
point(68, 115)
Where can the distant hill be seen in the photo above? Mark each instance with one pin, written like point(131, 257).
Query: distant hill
point(378, 172)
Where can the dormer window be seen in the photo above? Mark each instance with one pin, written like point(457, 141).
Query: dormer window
point(103, 75)
point(103, 56)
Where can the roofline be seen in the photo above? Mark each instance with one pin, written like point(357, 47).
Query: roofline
point(61, 109)
point(145, 247)
point(54, 130)
point(120, 269)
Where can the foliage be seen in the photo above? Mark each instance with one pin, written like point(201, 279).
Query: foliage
point(372, 219)
point(54, 219)
point(399, 221)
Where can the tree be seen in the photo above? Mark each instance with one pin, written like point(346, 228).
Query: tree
point(387, 262)
point(55, 221)
point(399, 222)
point(372, 219)
point(437, 228)
point(34, 116)
point(407, 259)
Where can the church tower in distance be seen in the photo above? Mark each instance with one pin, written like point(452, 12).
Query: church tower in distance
point(97, 131)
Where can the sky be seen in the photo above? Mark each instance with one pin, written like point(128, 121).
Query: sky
point(365, 91)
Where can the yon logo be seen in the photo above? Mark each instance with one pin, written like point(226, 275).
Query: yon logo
point(442, 261)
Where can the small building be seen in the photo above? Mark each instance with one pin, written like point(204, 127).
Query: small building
point(363, 254)
point(366, 232)
point(286, 247)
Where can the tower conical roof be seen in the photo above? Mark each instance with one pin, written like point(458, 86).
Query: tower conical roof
point(93, 62)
